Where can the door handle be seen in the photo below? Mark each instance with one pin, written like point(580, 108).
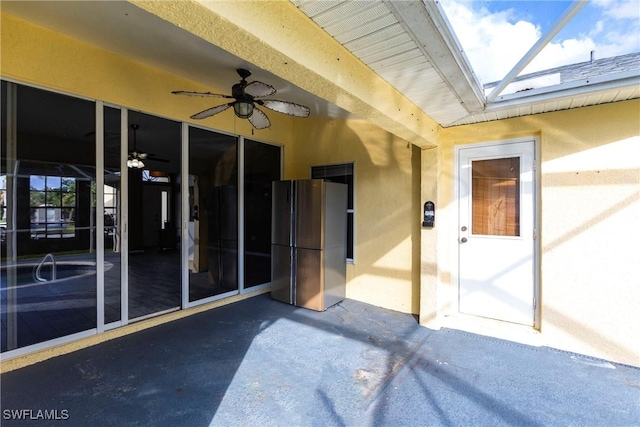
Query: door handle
point(463, 240)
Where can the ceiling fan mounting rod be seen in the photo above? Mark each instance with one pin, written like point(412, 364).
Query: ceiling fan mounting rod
point(243, 73)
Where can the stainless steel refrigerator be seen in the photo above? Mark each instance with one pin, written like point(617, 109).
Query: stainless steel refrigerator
point(308, 243)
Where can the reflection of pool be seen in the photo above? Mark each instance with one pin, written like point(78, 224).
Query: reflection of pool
point(65, 271)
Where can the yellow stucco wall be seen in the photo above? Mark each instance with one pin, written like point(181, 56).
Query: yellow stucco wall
point(430, 271)
point(386, 270)
point(589, 214)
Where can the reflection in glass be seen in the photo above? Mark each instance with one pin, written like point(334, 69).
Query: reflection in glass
point(261, 168)
point(154, 274)
point(48, 218)
point(112, 216)
point(342, 173)
point(48, 274)
point(213, 228)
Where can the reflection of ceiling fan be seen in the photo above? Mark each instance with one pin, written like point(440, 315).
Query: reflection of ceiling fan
point(136, 156)
point(246, 96)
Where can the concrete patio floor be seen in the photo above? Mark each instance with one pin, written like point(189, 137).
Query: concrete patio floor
point(260, 362)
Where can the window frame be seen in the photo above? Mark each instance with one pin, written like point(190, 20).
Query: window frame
point(333, 170)
point(53, 229)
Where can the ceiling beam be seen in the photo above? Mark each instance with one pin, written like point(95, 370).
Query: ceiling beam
point(429, 28)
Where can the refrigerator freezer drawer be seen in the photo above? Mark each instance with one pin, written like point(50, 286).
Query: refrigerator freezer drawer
point(335, 276)
point(309, 279)
point(281, 284)
point(319, 278)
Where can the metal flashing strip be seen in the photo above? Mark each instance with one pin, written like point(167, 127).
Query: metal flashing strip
point(564, 90)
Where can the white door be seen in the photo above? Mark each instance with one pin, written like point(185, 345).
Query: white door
point(496, 231)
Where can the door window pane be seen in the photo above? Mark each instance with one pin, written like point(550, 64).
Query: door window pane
point(495, 197)
point(261, 168)
point(213, 225)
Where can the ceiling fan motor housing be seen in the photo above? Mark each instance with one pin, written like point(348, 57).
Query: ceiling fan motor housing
point(243, 105)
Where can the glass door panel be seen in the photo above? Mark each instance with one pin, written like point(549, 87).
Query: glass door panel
point(213, 225)
point(261, 168)
point(112, 216)
point(48, 276)
point(154, 278)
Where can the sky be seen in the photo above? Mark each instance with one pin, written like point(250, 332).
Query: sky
point(495, 35)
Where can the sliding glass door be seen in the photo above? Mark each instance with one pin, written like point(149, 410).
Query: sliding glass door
point(82, 183)
point(48, 218)
point(213, 222)
point(154, 269)
point(261, 168)
point(112, 214)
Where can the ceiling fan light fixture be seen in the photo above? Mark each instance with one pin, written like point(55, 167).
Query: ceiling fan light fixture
point(135, 163)
point(243, 109)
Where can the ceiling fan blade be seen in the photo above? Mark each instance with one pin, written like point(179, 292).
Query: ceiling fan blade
point(208, 94)
point(210, 111)
point(259, 120)
point(157, 159)
point(141, 155)
point(257, 89)
point(285, 107)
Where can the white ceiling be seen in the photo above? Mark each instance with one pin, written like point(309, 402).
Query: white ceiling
point(407, 43)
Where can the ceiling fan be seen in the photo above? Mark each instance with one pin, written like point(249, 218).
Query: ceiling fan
point(246, 96)
point(136, 156)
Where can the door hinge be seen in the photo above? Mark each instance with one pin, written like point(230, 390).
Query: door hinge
point(535, 303)
point(535, 234)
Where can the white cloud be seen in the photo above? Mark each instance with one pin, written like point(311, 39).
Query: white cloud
point(495, 41)
point(491, 42)
point(619, 28)
point(619, 9)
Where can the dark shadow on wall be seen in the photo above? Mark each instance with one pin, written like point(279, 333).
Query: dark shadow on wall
point(387, 194)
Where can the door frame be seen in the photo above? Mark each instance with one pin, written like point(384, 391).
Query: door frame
point(455, 224)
